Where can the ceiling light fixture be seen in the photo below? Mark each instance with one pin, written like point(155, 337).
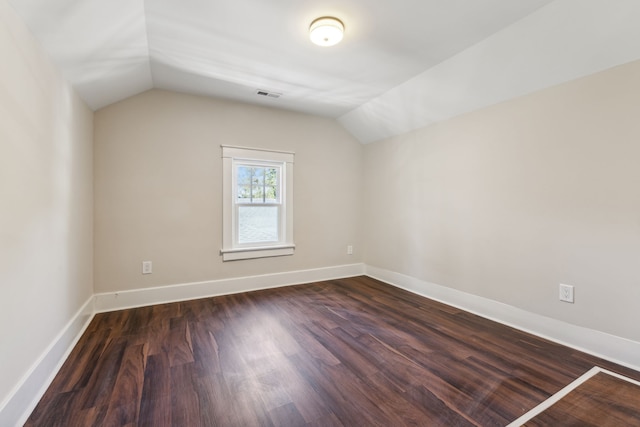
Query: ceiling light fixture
point(326, 31)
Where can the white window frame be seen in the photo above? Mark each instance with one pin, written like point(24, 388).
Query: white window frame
point(231, 249)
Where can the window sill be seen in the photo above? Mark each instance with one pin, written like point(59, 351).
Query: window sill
point(261, 252)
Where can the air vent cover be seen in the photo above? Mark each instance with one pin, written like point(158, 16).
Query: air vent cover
point(268, 94)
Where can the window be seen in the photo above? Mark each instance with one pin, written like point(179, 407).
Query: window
point(257, 203)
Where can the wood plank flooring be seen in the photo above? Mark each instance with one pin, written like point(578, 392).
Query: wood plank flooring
point(601, 401)
point(346, 352)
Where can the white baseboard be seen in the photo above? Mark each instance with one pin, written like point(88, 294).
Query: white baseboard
point(16, 408)
point(610, 347)
point(111, 301)
point(22, 400)
point(24, 397)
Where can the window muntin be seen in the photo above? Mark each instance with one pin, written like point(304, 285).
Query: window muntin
point(257, 183)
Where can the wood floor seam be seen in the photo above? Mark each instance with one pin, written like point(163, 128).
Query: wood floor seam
point(344, 352)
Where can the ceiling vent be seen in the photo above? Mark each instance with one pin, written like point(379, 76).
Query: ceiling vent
point(261, 92)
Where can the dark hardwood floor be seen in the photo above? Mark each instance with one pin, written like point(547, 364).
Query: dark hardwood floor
point(347, 352)
point(601, 401)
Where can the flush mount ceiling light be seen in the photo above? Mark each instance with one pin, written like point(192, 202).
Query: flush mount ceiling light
point(326, 31)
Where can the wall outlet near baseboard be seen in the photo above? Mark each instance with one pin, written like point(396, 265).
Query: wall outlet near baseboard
point(147, 267)
point(566, 293)
point(349, 250)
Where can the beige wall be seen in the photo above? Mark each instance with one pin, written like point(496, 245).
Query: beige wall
point(512, 200)
point(504, 203)
point(46, 202)
point(158, 188)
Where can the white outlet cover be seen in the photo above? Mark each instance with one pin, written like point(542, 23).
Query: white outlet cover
point(147, 267)
point(566, 293)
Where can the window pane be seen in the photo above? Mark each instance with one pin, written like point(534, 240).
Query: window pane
point(257, 224)
point(271, 177)
point(271, 194)
point(244, 175)
point(258, 194)
point(244, 193)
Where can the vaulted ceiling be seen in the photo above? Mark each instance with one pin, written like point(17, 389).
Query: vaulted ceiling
point(402, 64)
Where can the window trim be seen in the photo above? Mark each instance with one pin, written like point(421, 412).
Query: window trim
point(232, 251)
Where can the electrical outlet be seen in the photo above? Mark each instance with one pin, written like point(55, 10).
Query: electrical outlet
point(147, 267)
point(566, 293)
point(349, 250)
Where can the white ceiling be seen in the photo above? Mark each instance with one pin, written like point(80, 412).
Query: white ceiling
point(402, 64)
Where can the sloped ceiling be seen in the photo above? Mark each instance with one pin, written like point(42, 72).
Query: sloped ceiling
point(402, 65)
